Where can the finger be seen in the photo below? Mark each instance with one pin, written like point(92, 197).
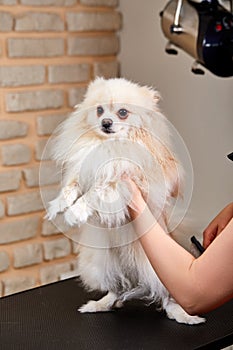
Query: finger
point(209, 234)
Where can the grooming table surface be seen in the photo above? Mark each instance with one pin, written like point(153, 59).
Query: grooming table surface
point(47, 318)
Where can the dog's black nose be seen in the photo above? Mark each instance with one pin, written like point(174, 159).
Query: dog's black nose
point(107, 123)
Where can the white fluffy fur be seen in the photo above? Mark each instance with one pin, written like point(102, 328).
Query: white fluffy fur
point(93, 190)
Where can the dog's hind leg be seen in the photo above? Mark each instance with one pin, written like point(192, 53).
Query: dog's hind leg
point(175, 312)
point(102, 305)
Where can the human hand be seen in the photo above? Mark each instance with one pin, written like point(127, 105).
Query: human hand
point(217, 225)
point(137, 203)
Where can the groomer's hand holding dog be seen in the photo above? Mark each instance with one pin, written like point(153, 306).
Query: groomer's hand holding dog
point(137, 204)
point(197, 284)
point(217, 225)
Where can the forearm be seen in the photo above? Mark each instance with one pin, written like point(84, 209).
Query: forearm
point(192, 282)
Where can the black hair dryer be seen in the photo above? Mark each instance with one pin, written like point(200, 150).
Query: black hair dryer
point(203, 29)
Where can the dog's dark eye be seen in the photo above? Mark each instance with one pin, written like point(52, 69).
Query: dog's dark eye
point(122, 113)
point(100, 111)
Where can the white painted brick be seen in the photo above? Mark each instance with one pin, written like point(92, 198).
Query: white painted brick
point(15, 154)
point(13, 285)
point(76, 96)
point(93, 46)
point(106, 69)
point(24, 203)
point(27, 255)
point(43, 176)
point(49, 193)
point(41, 47)
point(8, 2)
point(42, 150)
point(93, 21)
point(57, 248)
point(18, 230)
point(33, 100)
point(10, 129)
point(2, 209)
point(110, 3)
point(49, 2)
point(48, 123)
point(39, 22)
point(4, 261)
point(58, 225)
point(21, 75)
point(49, 229)
point(52, 273)
point(73, 73)
point(10, 180)
point(6, 21)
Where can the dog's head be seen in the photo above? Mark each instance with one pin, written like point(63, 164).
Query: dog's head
point(115, 106)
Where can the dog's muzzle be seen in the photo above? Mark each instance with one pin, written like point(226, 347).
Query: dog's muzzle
point(107, 125)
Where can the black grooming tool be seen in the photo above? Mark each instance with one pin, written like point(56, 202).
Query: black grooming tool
point(230, 156)
point(198, 245)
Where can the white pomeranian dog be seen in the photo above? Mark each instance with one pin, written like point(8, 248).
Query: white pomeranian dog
point(117, 131)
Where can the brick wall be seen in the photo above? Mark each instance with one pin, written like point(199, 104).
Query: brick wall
point(49, 50)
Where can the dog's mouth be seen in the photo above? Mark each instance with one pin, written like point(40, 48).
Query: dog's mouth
point(108, 131)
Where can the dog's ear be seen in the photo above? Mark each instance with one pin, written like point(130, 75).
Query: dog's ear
point(153, 94)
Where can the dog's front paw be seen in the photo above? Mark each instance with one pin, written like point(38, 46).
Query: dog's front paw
point(56, 206)
point(94, 306)
point(175, 312)
point(78, 213)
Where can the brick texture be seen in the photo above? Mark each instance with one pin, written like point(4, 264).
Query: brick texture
point(106, 69)
point(110, 3)
point(46, 175)
point(25, 47)
point(24, 203)
point(49, 2)
point(15, 154)
point(27, 255)
point(6, 22)
point(69, 73)
point(8, 2)
point(47, 124)
point(53, 273)
point(40, 22)
point(22, 75)
point(76, 95)
point(93, 21)
point(57, 248)
point(2, 209)
point(10, 180)
point(30, 101)
point(93, 46)
point(10, 129)
point(4, 261)
point(18, 284)
point(19, 230)
point(50, 50)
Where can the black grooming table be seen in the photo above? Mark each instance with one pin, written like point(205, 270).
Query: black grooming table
point(47, 318)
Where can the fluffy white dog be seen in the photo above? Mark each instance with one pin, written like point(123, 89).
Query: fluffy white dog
point(117, 130)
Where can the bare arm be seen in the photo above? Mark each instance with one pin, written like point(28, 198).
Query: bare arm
point(198, 285)
point(218, 224)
